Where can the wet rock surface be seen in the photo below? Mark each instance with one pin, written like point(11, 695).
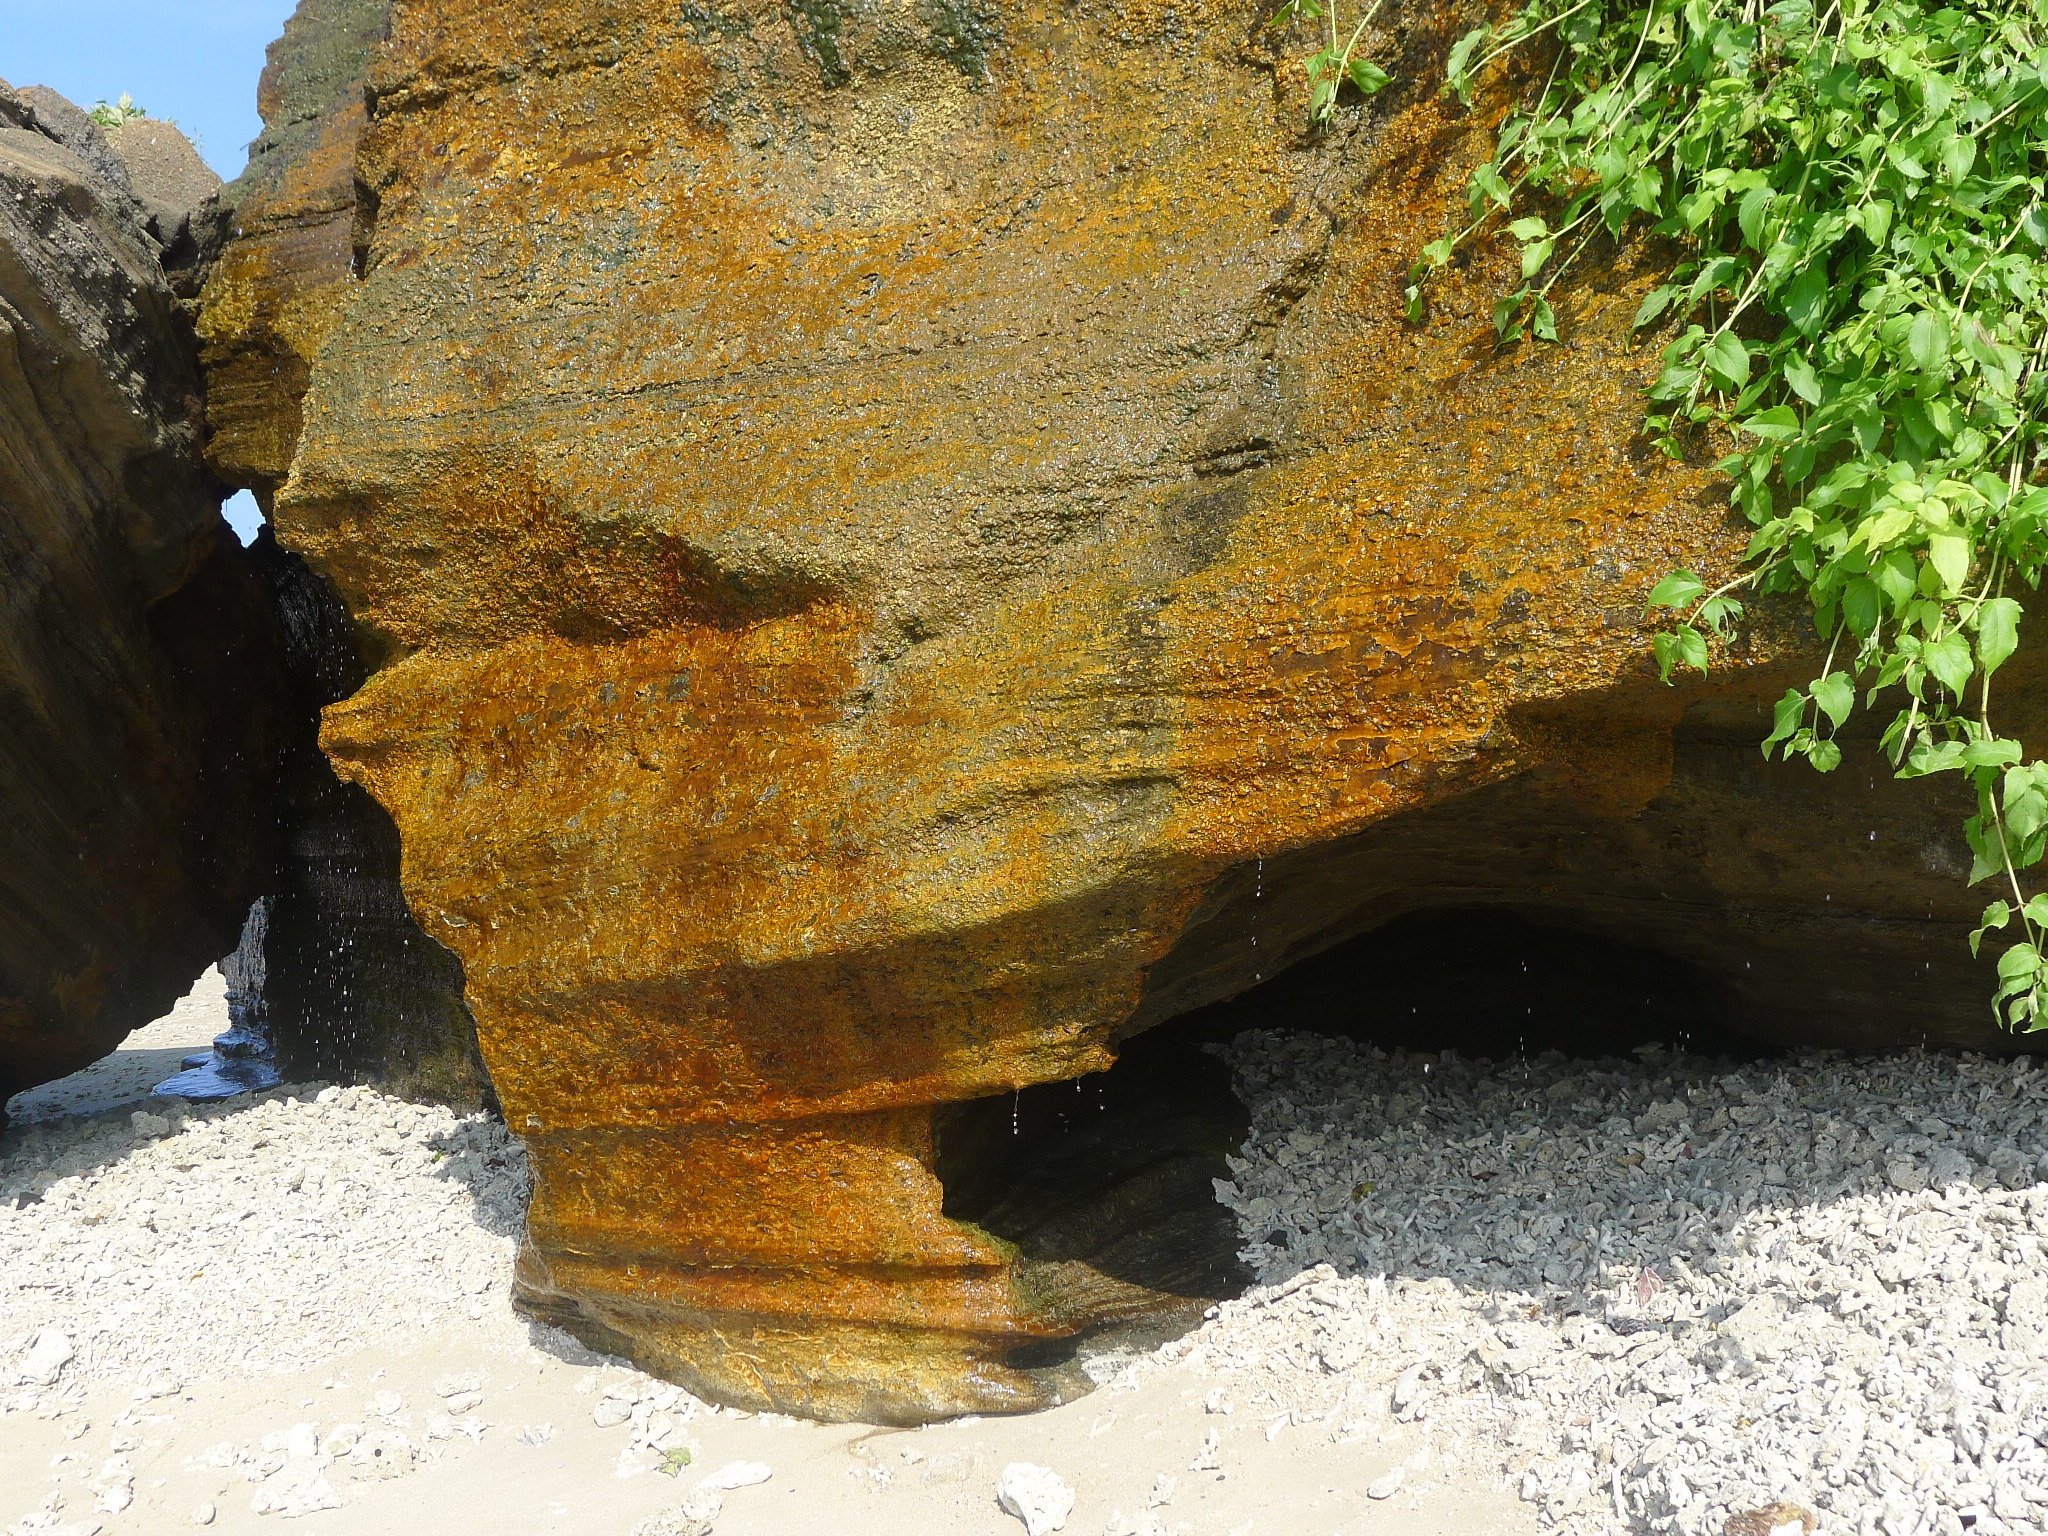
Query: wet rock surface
point(353, 991)
point(892, 563)
point(139, 655)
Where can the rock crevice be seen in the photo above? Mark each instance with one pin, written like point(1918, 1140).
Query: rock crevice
point(139, 657)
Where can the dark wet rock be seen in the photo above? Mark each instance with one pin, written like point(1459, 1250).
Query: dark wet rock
point(140, 660)
point(243, 1059)
point(353, 990)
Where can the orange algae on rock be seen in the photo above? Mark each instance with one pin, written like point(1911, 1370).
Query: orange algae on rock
point(873, 523)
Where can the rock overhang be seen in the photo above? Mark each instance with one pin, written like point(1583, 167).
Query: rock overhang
point(857, 606)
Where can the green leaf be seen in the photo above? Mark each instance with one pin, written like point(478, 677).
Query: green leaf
point(1456, 67)
point(1896, 576)
point(1804, 381)
point(1719, 614)
point(1806, 300)
point(1863, 187)
point(2026, 811)
point(1665, 647)
point(1728, 360)
point(1950, 554)
point(1750, 215)
point(1927, 341)
point(1785, 717)
point(1836, 696)
point(1655, 302)
point(1996, 916)
point(1488, 180)
point(1991, 754)
point(1774, 425)
point(1998, 625)
point(1874, 218)
point(1681, 589)
point(1862, 606)
point(1933, 757)
point(1950, 661)
point(1958, 154)
point(2019, 964)
point(1368, 77)
point(1882, 529)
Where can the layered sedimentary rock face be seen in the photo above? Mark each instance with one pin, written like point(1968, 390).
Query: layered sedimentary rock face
point(139, 672)
point(355, 990)
point(904, 544)
point(271, 299)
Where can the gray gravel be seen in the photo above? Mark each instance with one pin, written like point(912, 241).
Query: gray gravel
point(1656, 1295)
point(262, 1234)
point(1675, 1292)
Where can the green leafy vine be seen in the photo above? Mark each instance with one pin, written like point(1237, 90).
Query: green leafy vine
point(1854, 191)
point(1334, 65)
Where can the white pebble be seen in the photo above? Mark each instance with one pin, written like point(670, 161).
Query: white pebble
point(46, 1357)
point(1036, 1495)
point(736, 1474)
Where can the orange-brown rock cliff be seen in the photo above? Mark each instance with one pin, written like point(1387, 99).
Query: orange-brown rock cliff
point(885, 529)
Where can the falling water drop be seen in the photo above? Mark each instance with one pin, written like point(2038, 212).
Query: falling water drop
point(1015, 1095)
